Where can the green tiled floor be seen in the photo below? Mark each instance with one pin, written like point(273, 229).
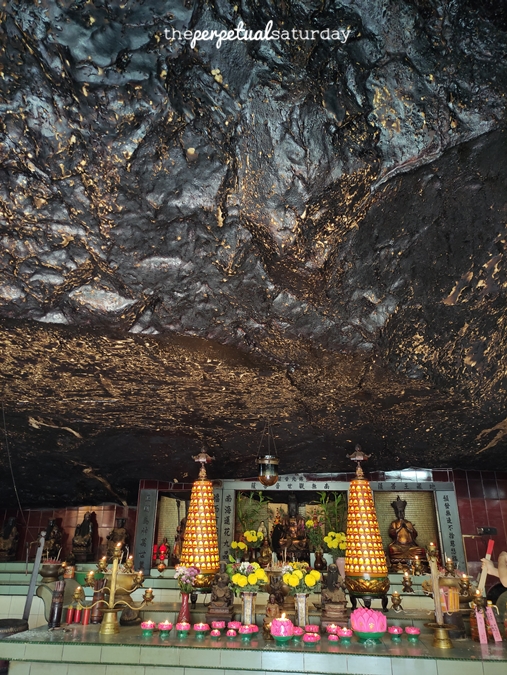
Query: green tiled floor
point(79, 649)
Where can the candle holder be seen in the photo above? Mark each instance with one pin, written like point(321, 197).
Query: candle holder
point(345, 635)
point(215, 633)
point(116, 595)
point(201, 629)
point(282, 629)
point(332, 637)
point(231, 633)
point(182, 628)
point(464, 585)
point(412, 633)
point(395, 632)
point(450, 568)
point(165, 628)
point(147, 628)
point(417, 567)
point(396, 601)
point(407, 583)
point(298, 633)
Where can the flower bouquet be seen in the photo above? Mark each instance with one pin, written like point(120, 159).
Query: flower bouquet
point(300, 579)
point(314, 532)
point(335, 543)
point(253, 538)
point(238, 549)
point(186, 578)
point(246, 577)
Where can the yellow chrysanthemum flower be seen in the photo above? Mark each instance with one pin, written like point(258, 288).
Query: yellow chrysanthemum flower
point(235, 578)
point(252, 578)
point(310, 580)
point(309, 523)
point(298, 573)
point(255, 565)
point(315, 574)
point(343, 545)
point(260, 535)
point(242, 581)
point(234, 544)
point(286, 578)
point(293, 580)
point(260, 573)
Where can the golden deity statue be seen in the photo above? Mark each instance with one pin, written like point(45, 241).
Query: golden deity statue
point(404, 550)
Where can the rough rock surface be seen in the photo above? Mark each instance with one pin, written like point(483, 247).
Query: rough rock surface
point(195, 238)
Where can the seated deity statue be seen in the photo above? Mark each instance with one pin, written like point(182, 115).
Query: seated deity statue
point(273, 611)
point(9, 539)
point(293, 543)
point(179, 538)
point(222, 597)
point(53, 541)
point(118, 535)
point(82, 539)
point(334, 601)
point(404, 547)
point(265, 555)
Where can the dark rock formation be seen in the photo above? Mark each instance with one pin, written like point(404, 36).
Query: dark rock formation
point(193, 238)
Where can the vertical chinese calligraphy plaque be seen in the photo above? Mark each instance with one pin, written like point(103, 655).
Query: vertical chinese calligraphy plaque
point(145, 529)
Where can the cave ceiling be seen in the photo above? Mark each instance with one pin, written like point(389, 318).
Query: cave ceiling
point(195, 238)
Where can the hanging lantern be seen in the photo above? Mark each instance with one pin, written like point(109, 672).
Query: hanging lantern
point(200, 545)
point(267, 463)
point(366, 571)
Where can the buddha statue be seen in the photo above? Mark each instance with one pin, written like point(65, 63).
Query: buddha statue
point(404, 550)
point(53, 542)
point(293, 543)
point(118, 535)
point(82, 540)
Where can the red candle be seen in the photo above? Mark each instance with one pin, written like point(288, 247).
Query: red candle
point(86, 616)
point(70, 615)
point(77, 616)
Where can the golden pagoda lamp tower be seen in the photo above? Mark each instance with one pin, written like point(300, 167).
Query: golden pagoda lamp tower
point(200, 545)
point(366, 574)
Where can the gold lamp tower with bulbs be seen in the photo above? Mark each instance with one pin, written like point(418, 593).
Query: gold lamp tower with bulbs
point(200, 545)
point(366, 573)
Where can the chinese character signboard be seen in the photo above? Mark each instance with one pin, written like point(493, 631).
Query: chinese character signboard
point(145, 529)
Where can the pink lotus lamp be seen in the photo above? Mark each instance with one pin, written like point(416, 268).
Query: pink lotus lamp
point(282, 629)
point(368, 624)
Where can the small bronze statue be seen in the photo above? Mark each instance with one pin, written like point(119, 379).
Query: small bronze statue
point(221, 607)
point(53, 542)
point(273, 611)
point(334, 602)
point(82, 541)
point(9, 540)
point(293, 543)
point(118, 535)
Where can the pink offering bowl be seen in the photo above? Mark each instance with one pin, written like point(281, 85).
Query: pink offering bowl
point(395, 630)
point(218, 625)
point(235, 625)
point(298, 631)
point(332, 637)
point(231, 633)
point(332, 628)
point(215, 633)
point(312, 628)
point(345, 632)
point(412, 630)
point(165, 626)
point(148, 625)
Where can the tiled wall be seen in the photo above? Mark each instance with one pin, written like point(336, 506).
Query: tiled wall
point(32, 521)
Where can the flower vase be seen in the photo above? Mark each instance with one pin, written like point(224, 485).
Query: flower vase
point(248, 608)
point(184, 614)
point(301, 609)
point(253, 554)
point(320, 563)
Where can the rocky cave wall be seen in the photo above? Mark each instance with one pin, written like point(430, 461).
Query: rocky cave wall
point(195, 238)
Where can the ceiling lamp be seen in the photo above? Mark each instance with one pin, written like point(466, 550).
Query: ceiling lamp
point(365, 561)
point(267, 462)
point(200, 545)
